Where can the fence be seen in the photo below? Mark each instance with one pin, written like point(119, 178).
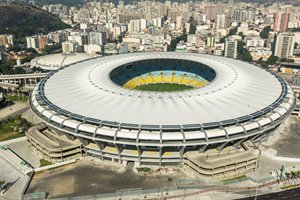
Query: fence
point(181, 185)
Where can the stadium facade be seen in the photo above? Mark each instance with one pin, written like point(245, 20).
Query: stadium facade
point(227, 103)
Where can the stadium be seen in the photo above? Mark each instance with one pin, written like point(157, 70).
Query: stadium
point(157, 108)
point(53, 62)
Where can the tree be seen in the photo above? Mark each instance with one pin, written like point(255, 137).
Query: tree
point(174, 42)
point(222, 40)
point(52, 48)
point(233, 31)
point(192, 26)
point(272, 60)
point(120, 39)
point(243, 53)
point(7, 68)
point(265, 32)
point(262, 63)
point(32, 50)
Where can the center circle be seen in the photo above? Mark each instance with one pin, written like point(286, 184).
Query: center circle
point(162, 75)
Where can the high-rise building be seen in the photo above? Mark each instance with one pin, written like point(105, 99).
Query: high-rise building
point(213, 10)
point(241, 15)
point(161, 10)
point(285, 45)
point(281, 22)
point(143, 24)
point(221, 21)
point(178, 22)
point(68, 46)
point(157, 21)
point(231, 48)
point(97, 37)
point(173, 15)
point(210, 40)
point(43, 40)
point(6, 40)
point(134, 26)
point(32, 42)
point(125, 18)
point(137, 25)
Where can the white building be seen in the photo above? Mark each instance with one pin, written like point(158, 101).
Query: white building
point(68, 46)
point(231, 48)
point(32, 42)
point(178, 22)
point(157, 21)
point(143, 24)
point(134, 26)
point(221, 21)
point(97, 37)
point(254, 42)
point(285, 45)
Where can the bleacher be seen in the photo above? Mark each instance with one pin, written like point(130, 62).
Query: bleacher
point(176, 77)
point(162, 71)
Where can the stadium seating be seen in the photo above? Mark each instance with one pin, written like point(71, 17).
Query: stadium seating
point(151, 72)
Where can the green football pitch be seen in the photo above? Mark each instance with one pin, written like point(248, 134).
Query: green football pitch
point(163, 87)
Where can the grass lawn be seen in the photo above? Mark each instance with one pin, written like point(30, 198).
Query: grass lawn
point(44, 163)
point(16, 98)
point(163, 87)
point(9, 129)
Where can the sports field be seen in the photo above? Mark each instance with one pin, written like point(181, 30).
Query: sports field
point(163, 87)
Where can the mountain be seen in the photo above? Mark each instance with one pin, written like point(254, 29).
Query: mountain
point(23, 20)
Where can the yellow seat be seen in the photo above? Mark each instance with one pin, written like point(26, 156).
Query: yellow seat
point(186, 80)
point(139, 81)
point(148, 79)
point(167, 154)
point(151, 153)
point(110, 149)
point(130, 84)
point(157, 79)
point(201, 83)
point(167, 79)
point(194, 82)
point(176, 79)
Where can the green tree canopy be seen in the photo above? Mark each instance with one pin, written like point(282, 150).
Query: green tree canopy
point(192, 26)
point(233, 31)
point(265, 32)
point(243, 53)
point(272, 60)
point(174, 42)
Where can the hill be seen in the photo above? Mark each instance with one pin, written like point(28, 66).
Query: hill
point(25, 20)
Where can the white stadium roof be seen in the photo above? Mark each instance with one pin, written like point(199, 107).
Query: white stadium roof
point(85, 89)
point(55, 61)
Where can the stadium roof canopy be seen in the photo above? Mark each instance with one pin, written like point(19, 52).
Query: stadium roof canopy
point(55, 61)
point(239, 91)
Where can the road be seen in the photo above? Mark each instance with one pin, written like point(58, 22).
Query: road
point(11, 111)
point(292, 194)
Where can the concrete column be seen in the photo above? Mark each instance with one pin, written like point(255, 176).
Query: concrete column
point(203, 148)
point(181, 154)
point(140, 155)
point(100, 145)
point(62, 156)
point(160, 156)
point(221, 147)
point(119, 152)
point(84, 143)
point(239, 142)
